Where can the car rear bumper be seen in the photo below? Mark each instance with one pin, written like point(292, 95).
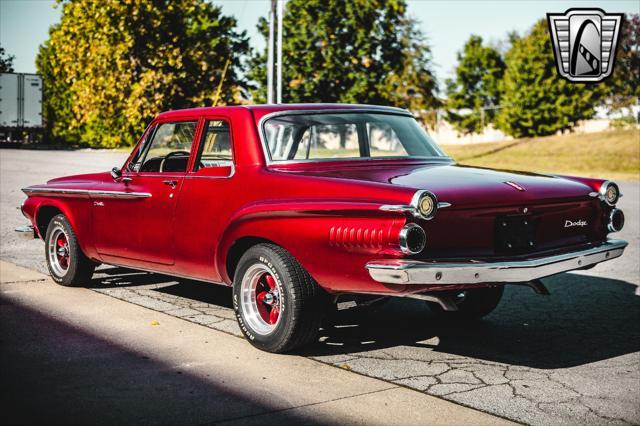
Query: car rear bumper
point(399, 271)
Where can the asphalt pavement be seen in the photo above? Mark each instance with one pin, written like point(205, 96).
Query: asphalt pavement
point(73, 356)
point(569, 358)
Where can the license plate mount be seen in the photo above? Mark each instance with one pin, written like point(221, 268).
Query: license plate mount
point(515, 234)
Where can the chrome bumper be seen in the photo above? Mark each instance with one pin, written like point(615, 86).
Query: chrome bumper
point(398, 271)
point(27, 231)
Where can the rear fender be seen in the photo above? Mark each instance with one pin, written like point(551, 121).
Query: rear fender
point(330, 238)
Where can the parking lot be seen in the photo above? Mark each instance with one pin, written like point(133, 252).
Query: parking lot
point(571, 357)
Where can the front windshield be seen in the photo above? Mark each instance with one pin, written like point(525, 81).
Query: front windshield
point(346, 135)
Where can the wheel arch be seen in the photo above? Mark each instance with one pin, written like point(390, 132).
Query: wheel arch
point(43, 217)
point(237, 249)
point(47, 208)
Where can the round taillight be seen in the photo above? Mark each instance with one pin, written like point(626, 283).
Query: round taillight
point(425, 205)
point(616, 220)
point(412, 239)
point(610, 193)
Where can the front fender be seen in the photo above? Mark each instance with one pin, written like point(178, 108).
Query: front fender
point(76, 210)
point(332, 240)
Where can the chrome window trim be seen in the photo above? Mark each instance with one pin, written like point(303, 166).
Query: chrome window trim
point(405, 271)
point(89, 192)
point(363, 110)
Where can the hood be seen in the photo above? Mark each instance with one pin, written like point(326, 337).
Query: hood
point(89, 178)
point(465, 186)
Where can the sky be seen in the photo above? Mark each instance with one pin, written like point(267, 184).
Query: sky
point(24, 24)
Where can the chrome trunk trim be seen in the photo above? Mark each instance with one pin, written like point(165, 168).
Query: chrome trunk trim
point(405, 271)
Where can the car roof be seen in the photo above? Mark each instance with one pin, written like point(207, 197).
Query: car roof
point(260, 110)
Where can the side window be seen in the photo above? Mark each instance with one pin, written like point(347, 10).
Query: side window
point(215, 148)
point(383, 141)
point(169, 148)
point(136, 160)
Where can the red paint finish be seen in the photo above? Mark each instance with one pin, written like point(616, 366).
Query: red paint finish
point(326, 214)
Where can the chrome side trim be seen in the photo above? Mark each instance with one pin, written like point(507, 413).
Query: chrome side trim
point(89, 192)
point(396, 208)
point(408, 208)
point(400, 271)
point(413, 207)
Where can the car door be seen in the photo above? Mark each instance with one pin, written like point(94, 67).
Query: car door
point(140, 227)
point(209, 196)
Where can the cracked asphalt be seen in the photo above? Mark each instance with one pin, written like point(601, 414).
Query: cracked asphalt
point(569, 358)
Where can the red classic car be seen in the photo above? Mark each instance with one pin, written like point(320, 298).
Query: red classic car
point(296, 206)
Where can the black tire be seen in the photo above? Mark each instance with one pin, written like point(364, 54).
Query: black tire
point(79, 268)
point(301, 301)
point(472, 304)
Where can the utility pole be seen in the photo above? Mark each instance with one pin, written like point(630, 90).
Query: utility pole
point(270, 55)
point(279, 53)
point(274, 61)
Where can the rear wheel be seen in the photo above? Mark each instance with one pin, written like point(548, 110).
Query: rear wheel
point(472, 304)
point(278, 305)
point(67, 264)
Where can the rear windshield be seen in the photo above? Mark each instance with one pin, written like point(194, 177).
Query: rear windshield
point(346, 135)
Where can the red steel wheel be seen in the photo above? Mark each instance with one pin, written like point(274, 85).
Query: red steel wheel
point(260, 298)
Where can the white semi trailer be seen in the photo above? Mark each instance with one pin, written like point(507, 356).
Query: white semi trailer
point(20, 105)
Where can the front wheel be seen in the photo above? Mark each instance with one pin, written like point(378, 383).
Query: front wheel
point(67, 264)
point(472, 304)
point(279, 307)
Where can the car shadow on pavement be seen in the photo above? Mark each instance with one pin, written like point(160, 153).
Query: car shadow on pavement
point(119, 277)
point(585, 319)
point(56, 371)
point(115, 276)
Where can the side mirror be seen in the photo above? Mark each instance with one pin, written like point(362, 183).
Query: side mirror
point(116, 173)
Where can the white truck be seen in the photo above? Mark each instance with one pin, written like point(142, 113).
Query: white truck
point(20, 105)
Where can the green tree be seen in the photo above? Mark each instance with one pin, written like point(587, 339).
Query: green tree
point(476, 87)
point(536, 100)
point(623, 88)
point(6, 61)
point(109, 67)
point(360, 51)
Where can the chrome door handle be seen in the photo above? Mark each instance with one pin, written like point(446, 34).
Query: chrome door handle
point(171, 183)
point(126, 180)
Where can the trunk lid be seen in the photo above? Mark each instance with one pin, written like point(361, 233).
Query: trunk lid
point(463, 186)
point(541, 212)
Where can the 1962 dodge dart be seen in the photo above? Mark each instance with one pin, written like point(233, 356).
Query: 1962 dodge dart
point(299, 206)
